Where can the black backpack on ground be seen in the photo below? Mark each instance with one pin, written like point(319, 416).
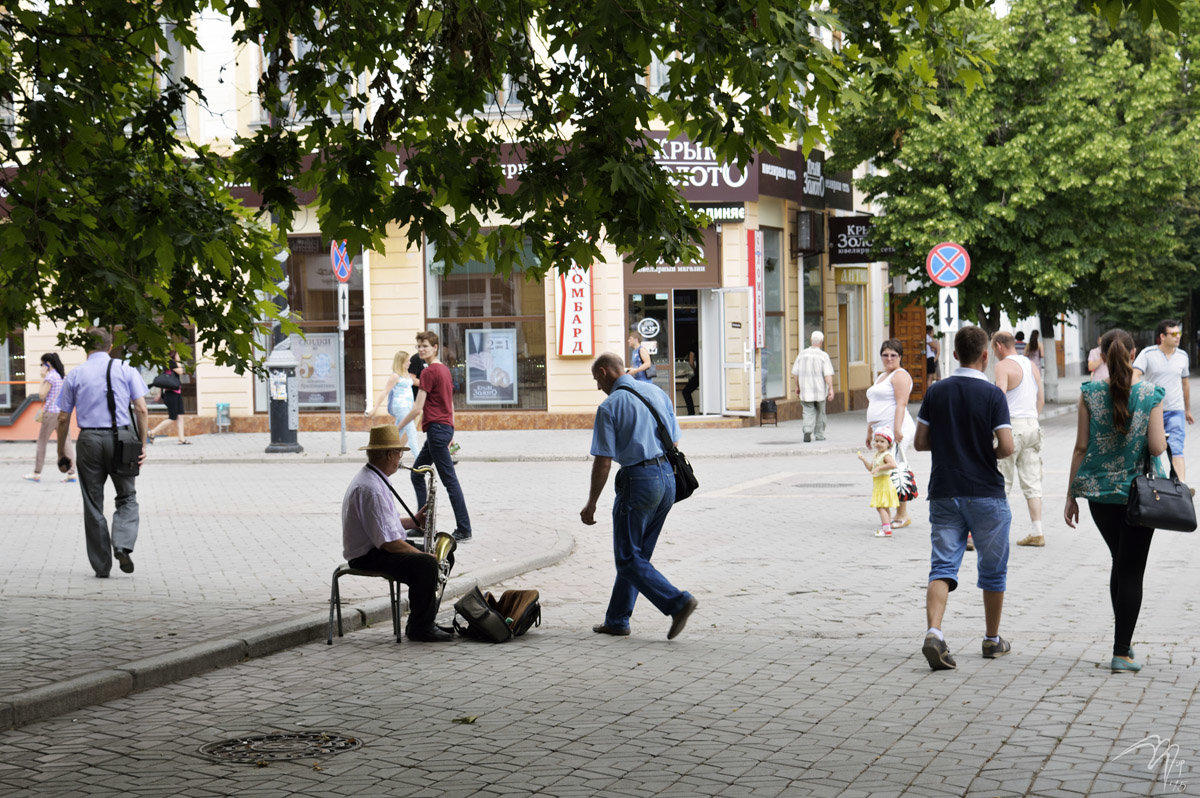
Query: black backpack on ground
point(495, 620)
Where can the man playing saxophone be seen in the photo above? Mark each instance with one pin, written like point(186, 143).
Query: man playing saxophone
point(373, 534)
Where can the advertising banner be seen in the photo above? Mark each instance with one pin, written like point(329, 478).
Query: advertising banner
point(491, 367)
point(573, 292)
point(317, 374)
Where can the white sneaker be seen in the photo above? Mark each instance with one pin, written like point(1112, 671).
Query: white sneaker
point(33, 477)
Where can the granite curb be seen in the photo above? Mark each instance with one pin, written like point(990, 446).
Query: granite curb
point(119, 681)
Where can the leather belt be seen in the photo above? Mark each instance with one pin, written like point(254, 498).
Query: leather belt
point(650, 462)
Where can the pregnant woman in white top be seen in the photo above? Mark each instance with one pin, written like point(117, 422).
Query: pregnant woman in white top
point(887, 406)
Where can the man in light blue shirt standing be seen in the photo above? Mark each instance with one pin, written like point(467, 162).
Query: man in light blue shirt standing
point(625, 430)
point(85, 391)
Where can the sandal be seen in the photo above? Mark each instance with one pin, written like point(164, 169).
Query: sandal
point(185, 442)
point(902, 524)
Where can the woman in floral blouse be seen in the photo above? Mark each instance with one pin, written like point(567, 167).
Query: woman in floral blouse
point(1120, 421)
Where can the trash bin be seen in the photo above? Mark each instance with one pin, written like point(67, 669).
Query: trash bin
point(222, 416)
point(768, 411)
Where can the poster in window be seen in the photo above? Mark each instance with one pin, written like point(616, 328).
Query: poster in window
point(317, 374)
point(491, 367)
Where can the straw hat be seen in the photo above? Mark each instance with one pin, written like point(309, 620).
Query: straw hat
point(385, 437)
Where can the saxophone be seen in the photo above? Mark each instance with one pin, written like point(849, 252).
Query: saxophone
point(439, 544)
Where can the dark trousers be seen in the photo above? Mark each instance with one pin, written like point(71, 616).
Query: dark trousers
point(689, 388)
point(437, 451)
point(418, 571)
point(93, 460)
point(1130, 546)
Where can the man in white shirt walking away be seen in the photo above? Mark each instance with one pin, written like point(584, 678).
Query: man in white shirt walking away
point(1023, 389)
point(814, 383)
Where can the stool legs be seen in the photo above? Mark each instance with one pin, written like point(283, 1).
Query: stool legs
point(335, 603)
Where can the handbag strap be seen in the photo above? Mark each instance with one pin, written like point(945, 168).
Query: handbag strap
point(899, 456)
point(664, 437)
point(112, 402)
point(1148, 463)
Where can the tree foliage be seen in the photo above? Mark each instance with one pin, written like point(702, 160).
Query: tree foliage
point(110, 214)
point(1065, 174)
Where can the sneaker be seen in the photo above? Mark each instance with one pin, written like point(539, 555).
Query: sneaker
point(938, 654)
point(70, 478)
point(462, 536)
point(1032, 540)
point(998, 648)
point(1123, 665)
point(33, 477)
point(883, 533)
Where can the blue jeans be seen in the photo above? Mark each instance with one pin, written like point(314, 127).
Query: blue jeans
point(437, 451)
point(987, 520)
point(644, 497)
point(1175, 426)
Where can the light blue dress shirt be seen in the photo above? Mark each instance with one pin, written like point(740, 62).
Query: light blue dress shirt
point(624, 428)
point(85, 390)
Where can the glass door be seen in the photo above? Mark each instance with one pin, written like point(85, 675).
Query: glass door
point(650, 319)
point(737, 360)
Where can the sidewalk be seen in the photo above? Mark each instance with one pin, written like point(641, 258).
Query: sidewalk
point(223, 503)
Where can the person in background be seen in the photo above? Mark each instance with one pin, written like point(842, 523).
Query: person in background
point(1020, 338)
point(693, 382)
point(1096, 365)
point(639, 359)
point(1167, 366)
point(1026, 396)
point(51, 387)
point(933, 351)
point(813, 371)
point(1120, 421)
point(173, 399)
point(398, 394)
point(1034, 350)
point(887, 406)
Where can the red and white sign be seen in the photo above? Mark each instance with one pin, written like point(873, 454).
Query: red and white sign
point(754, 251)
point(341, 261)
point(948, 264)
point(576, 326)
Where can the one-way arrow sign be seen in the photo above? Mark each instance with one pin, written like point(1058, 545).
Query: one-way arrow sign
point(948, 310)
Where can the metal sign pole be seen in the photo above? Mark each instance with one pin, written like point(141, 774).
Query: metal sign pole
point(343, 323)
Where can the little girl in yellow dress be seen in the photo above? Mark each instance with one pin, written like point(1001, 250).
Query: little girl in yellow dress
point(883, 494)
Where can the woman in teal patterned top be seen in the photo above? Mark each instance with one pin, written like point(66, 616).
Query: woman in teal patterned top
point(1119, 422)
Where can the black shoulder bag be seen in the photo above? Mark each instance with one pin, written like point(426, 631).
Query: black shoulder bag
point(1160, 502)
point(127, 444)
point(685, 479)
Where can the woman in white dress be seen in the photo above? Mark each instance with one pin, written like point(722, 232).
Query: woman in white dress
point(887, 406)
point(398, 393)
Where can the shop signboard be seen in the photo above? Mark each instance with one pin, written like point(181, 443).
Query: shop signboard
point(850, 241)
point(317, 374)
point(754, 251)
point(576, 330)
point(491, 367)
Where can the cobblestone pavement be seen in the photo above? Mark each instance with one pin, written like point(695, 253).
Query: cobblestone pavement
point(800, 673)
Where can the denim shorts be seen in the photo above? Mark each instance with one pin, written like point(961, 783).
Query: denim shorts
point(1174, 420)
point(987, 520)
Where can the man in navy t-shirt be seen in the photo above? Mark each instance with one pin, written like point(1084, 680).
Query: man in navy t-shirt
point(964, 422)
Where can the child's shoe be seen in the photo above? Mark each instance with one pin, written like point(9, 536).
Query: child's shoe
point(883, 532)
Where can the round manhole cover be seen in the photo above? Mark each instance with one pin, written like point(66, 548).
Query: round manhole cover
point(280, 746)
point(778, 443)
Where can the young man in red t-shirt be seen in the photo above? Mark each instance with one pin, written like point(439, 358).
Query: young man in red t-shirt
point(435, 405)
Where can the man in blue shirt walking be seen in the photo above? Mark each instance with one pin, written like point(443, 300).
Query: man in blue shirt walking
point(959, 419)
point(85, 390)
point(626, 431)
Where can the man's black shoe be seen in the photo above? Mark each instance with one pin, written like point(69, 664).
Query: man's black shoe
point(680, 619)
point(124, 559)
point(431, 635)
point(605, 629)
point(462, 536)
point(807, 437)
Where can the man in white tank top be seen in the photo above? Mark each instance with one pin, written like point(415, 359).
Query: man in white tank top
point(1022, 386)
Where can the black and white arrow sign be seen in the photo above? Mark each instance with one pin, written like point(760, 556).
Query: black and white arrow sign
point(948, 315)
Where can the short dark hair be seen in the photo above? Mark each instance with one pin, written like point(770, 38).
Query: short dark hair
point(894, 345)
point(1162, 327)
point(970, 343)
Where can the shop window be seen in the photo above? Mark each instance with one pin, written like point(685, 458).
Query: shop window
point(492, 332)
point(774, 383)
point(312, 295)
point(855, 296)
point(812, 299)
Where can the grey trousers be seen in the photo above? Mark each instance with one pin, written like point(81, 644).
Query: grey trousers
point(94, 454)
point(814, 418)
